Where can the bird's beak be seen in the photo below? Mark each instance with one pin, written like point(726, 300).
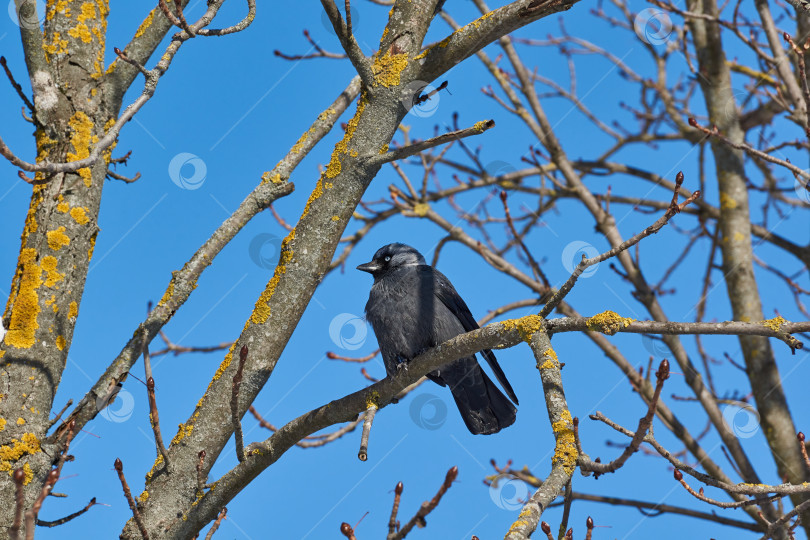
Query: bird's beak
point(369, 267)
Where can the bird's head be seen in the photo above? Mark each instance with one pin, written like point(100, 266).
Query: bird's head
point(392, 256)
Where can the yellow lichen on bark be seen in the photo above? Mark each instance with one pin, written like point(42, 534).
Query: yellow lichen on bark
point(727, 202)
point(54, 45)
point(550, 360)
point(272, 178)
point(79, 215)
point(262, 310)
point(92, 247)
point(526, 326)
point(608, 322)
point(147, 22)
point(565, 449)
point(28, 444)
point(774, 324)
point(23, 324)
point(388, 67)
point(61, 343)
point(73, 309)
point(28, 474)
point(57, 239)
point(421, 209)
point(81, 140)
point(53, 276)
point(54, 7)
point(334, 167)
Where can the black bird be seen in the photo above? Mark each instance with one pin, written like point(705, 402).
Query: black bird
point(413, 307)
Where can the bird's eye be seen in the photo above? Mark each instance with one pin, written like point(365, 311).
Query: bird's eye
point(387, 258)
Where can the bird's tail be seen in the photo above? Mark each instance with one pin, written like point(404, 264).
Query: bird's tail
point(483, 407)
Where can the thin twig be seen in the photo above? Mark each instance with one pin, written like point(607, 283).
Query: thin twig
point(415, 148)
point(393, 523)
point(643, 427)
point(31, 515)
point(62, 521)
point(673, 209)
point(119, 468)
point(216, 524)
point(427, 506)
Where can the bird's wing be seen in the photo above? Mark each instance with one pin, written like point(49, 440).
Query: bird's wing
point(445, 292)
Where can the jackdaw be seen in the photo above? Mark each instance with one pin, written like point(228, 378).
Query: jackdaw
point(413, 307)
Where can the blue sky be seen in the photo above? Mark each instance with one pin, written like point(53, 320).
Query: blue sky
point(236, 109)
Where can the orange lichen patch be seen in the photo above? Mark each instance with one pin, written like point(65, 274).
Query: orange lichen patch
point(155, 466)
point(79, 215)
point(526, 326)
point(62, 207)
point(61, 343)
point(81, 31)
point(335, 218)
point(334, 167)
point(53, 277)
point(81, 140)
point(2, 424)
point(143, 496)
point(522, 521)
point(727, 202)
point(169, 292)
point(262, 310)
point(73, 310)
point(565, 450)
point(608, 322)
point(10, 453)
point(384, 149)
point(222, 367)
point(481, 126)
point(299, 145)
point(60, 6)
point(774, 324)
point(23, 324)
point(21, 421)
point(183, 431)
point(421, 209)
point(373, 400)
point(107, 154)
point(29, 474)
point(147, 22)
point(551, 361)
point(92, 247)
point(273, 178)
point(55, 45)
point(388, 67)
point(57, 239)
